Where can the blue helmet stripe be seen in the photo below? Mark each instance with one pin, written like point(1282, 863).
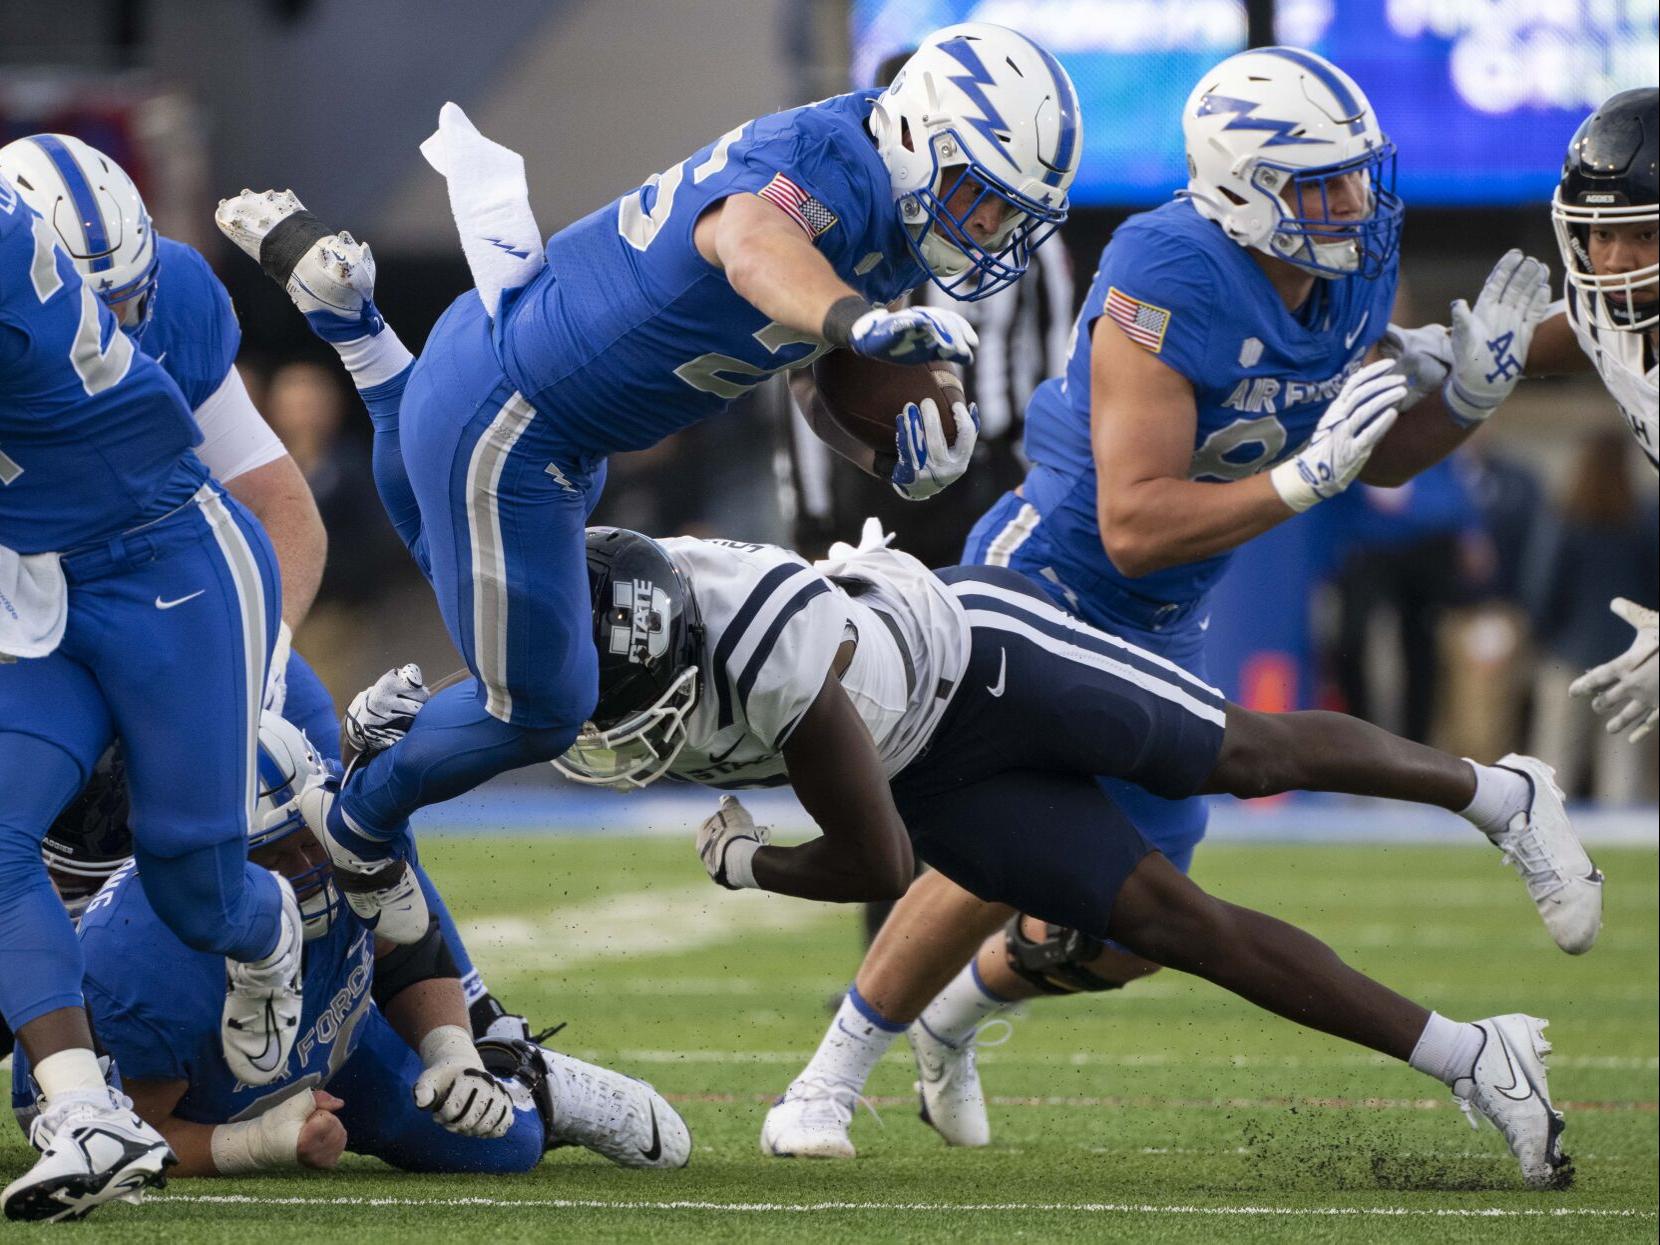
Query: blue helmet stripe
point(275, 783)
point(1067, 102)
point(80, 190)
point(1345, 98)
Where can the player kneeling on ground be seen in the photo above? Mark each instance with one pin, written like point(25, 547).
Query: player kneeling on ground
point(384, 1063)
point(964, 713)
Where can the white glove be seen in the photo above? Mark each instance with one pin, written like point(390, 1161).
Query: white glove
point(1423, 356)
point(1490, 343)
point(1357, 419)
point(927, 464)
point(461, 1095)
point(1625, 688)
point(728, 841)
point(914, 335)
point(382, 713)
point(276, 681)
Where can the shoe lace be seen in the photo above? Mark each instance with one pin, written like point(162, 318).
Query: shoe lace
point(1524, 849)
point(831, 1102)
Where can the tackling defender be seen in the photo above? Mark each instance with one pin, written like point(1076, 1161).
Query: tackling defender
point(384, 1063)
point(1607, 216)
point(784, 238)
point(963, 714)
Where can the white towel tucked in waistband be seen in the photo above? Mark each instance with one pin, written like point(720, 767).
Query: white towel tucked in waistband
point(34, 603)
point(491, 205)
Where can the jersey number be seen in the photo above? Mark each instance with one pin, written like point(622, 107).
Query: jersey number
point(640, 227)
point(99, 366)
point(1241, 449)
point(726, 377)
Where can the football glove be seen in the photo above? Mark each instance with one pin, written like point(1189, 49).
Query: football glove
point(914, 335)
point(1357, 419)
point(1423, 356)
point(928, 463)
point(728, 841)
point(1490, 342)
point(1624, 690)
point(457, 1090)
point(382, 713)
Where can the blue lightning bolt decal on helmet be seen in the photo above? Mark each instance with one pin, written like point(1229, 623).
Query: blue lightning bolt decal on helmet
point(1285, 154)
point(981, 136)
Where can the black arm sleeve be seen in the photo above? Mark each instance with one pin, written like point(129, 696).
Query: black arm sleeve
point(402, 966)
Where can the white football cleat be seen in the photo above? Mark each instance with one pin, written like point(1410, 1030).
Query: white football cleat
point(617, 1116)
point(330, 276)
point(811, 1121)
point(94, 1149)
point(1563, 883)
point(948, 1084)
point(261, 1017)
point(385, 895)
point(1508, 1087)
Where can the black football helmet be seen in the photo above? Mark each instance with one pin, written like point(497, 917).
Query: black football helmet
point(90, 839)
point(1612, 176)
point(650, 640)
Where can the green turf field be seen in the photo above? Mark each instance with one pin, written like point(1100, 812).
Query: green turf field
point(1169, 1111)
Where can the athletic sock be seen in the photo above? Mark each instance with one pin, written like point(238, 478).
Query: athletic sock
point(962, 1007)
point(74, 1071)
point(1447, 1050)
point(856, 1040)
point(1500, 794)
point(374, 360)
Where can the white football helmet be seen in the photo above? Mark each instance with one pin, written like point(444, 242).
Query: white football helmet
point(285, 761)
point(983, 106)
point(1274, 121)
point(96, 213)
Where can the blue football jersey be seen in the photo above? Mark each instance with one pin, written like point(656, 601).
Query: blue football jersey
point(629, 334)
point(156, 1003)
point(192, 330)
point(95, 438)
point(1262, 376)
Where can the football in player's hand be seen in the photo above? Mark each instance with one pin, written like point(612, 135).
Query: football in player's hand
point(865, 396)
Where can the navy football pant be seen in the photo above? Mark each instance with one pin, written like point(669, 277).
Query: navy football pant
point(496, 519)
point(1005, 801)
point(382, 1120)
point(1007, 536)
point(166, 642)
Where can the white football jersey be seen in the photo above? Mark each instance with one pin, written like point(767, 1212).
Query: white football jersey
point(1619, 361)
point(772, 628)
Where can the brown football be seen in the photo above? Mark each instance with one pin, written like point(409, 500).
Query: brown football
point(865, 396)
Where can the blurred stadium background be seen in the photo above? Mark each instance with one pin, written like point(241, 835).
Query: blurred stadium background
point(1456, 609)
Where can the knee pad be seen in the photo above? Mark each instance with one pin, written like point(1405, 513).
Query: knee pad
point(1056, 963)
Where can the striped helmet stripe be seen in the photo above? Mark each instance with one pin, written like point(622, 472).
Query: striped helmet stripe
point(86, 203)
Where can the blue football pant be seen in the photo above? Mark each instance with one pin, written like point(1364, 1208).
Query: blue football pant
point(166, 642)
point(1175, 827)
point(381, 1118)
point(310, 707)
point(497, 524)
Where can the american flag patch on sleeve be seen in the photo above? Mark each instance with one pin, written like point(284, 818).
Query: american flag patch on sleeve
point(806, 211)
point(1143, 323)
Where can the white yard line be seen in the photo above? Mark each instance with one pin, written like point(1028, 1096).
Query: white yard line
point(932, 1208)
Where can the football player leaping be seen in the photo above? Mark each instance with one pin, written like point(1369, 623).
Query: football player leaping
point(384, 1063)
point(963, 716)
point(782, 239)
point(1608, 230)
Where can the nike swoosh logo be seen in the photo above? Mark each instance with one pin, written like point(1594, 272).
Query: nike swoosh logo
point(1515, 1072)
point(1349, 339)
point(716, 760)
point(1204, 623)
point(655, 1151)
point(996, 689)
point(167, 605)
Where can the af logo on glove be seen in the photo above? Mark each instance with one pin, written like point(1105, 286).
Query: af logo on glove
point(639, 611)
